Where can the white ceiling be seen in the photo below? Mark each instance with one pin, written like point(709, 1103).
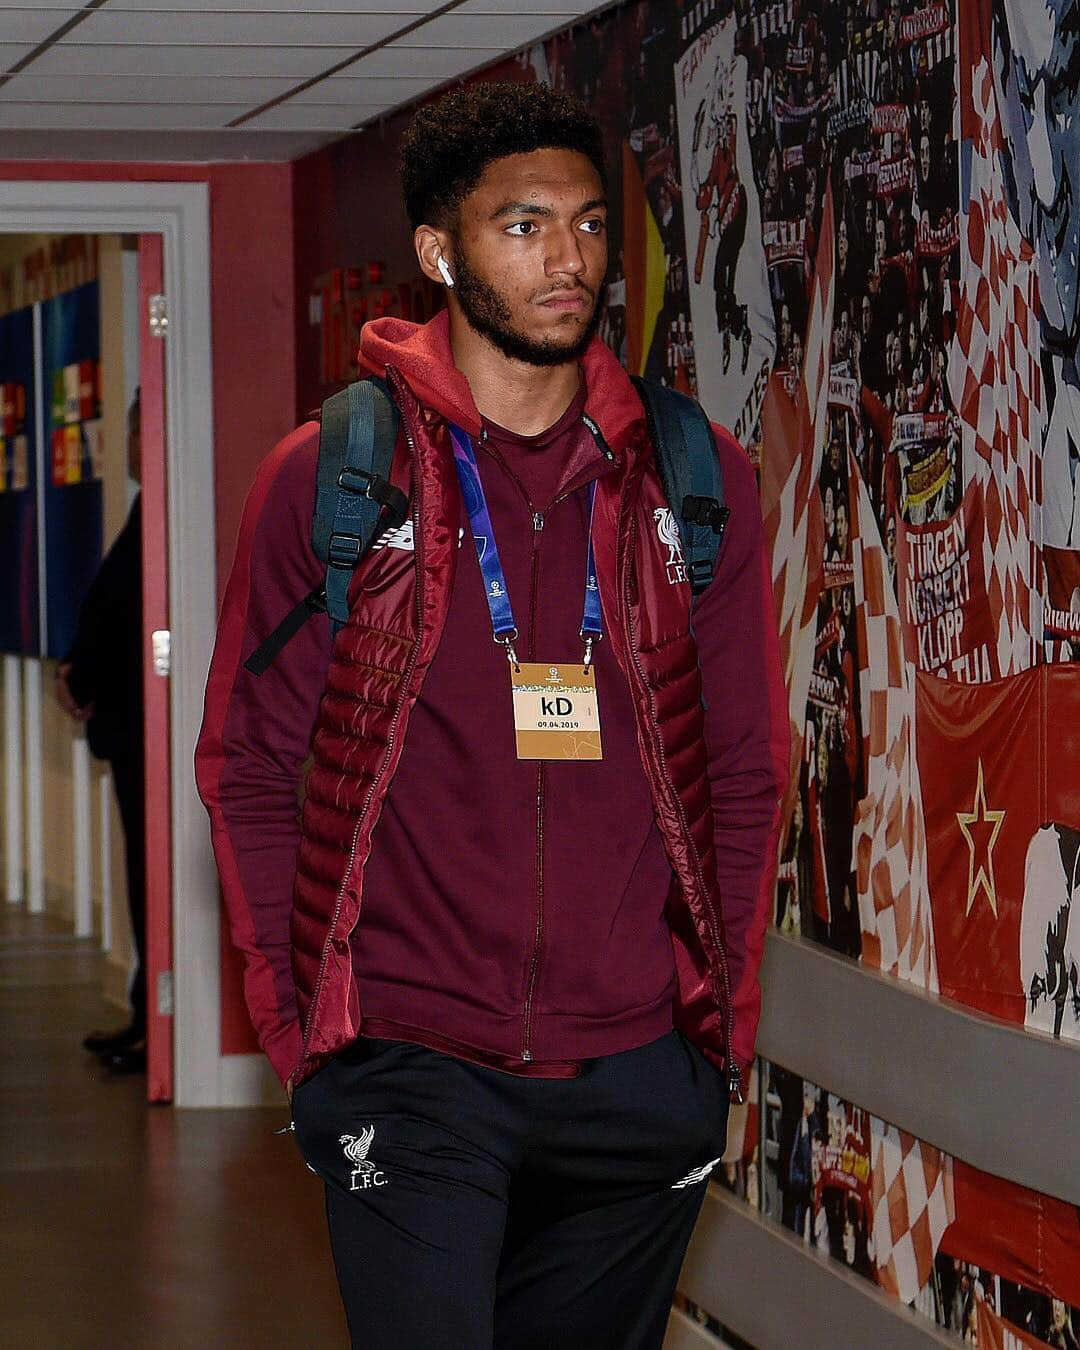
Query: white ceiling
point(214, 80)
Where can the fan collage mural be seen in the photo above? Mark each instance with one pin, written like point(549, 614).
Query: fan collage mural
point(852, 231)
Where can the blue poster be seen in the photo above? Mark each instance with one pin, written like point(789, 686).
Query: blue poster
point(19, 627)
point(73, 458)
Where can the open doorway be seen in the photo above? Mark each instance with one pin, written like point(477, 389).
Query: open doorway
point(78, 730)
point(170, 221)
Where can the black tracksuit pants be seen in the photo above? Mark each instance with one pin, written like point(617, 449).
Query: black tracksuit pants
point(472, 1209)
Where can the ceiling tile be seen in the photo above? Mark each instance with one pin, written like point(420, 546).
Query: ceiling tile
point(304, 117)
point(243, 28)
point(31, 87)
point(546, 15)
point(11, 53)
point(504, 31)
point(186, 68)
point(119, 116)
point(361, 93)
point(148, 146)
point(291, 63)
point(33, 24)
point(404, 10)
point(579, 7)
point(434, 63)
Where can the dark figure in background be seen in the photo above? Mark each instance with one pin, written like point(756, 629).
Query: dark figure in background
point(800, 1166)
point(100, 684)
point(724, 191)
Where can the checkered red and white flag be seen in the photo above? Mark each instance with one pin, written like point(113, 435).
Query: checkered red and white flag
point(793, 430)
point(995, 380)
point(890, 836)
point(911, 1198)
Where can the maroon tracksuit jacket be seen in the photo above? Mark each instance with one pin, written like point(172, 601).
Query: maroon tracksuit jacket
point(512, 912)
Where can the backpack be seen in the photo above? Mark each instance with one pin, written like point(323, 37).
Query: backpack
point(356, 504)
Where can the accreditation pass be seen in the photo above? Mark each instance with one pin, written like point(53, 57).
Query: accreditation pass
point(556, 715)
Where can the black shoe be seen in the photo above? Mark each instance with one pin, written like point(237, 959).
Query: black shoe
point(105, 1042)
point(131, 1060)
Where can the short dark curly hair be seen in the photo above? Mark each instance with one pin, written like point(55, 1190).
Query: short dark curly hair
point(450, 143)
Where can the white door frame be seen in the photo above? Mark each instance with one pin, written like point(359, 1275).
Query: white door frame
point(180, 212)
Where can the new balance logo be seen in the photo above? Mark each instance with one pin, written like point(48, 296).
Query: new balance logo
point(698, 1174)
point(403, 538)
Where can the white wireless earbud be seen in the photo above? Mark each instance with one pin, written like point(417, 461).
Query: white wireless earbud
point(444, 270)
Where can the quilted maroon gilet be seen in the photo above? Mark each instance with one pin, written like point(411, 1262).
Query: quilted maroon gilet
point(380, 659)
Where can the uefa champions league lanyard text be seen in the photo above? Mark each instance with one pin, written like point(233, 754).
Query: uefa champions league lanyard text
point(487, 553)
point(556, 715)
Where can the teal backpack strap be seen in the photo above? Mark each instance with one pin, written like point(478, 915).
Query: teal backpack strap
point(355, 499)
point(690, 471)
point(354, 503)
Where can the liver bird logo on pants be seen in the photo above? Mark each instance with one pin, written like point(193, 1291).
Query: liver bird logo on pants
point(365, 1174)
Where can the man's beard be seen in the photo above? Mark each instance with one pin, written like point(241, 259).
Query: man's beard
point(488, 313)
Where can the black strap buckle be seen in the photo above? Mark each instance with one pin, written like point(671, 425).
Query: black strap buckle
point(359, 481)
point(700, 573)
point(705, 511)
point(378, 490)
point(343, 550)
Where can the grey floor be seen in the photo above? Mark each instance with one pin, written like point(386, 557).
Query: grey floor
point(124, 1225)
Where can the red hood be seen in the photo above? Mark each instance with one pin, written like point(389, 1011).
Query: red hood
point(422, 355)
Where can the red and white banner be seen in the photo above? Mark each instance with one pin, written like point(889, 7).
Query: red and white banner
point(943, 607)
point(936, 242)
point(896, 176)
point(844, 393)
point(924, 23)
point(785, 241)
point(1061, 610)
point(890, 119)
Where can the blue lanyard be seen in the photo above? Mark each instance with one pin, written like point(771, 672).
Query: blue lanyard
point(487, 553)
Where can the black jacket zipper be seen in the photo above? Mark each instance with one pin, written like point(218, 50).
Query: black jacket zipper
point(541, 767)
point(541, 782)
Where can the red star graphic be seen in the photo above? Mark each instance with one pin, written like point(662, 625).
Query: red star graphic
point(980, 829)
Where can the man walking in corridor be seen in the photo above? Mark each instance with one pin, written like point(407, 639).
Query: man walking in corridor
point(508, 973)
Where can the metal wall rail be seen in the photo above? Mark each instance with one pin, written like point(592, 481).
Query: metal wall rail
point(988, 1092)
point(764, 1283)
point(685, 1334)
